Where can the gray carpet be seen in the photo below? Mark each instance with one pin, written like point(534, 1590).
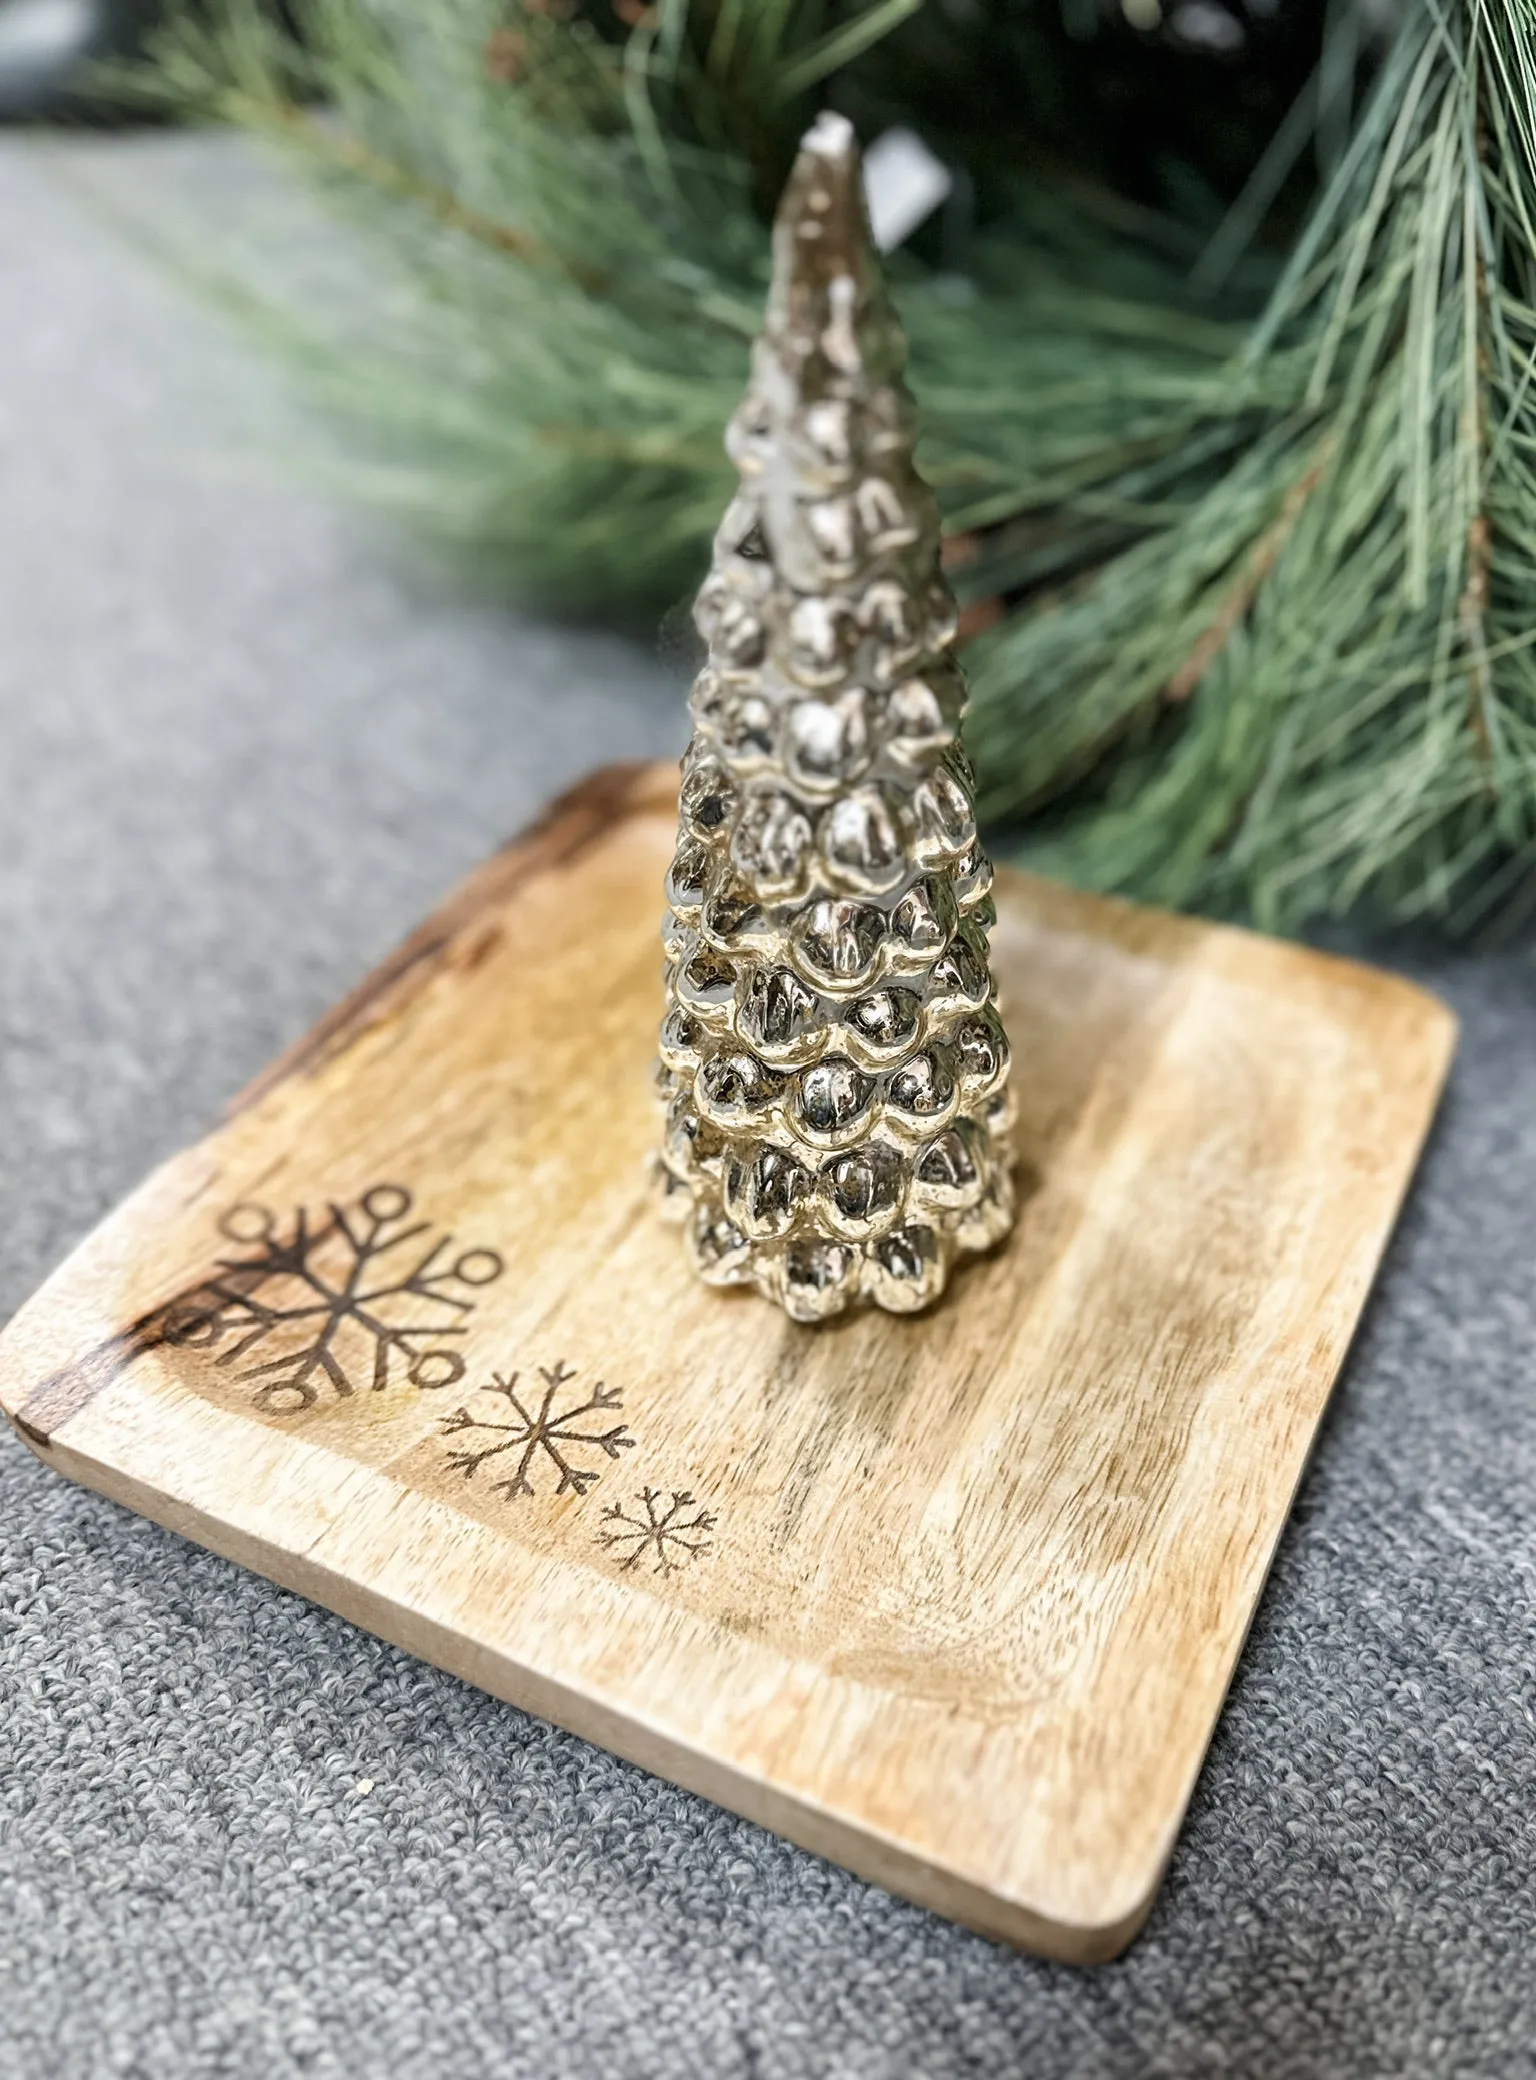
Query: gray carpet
point(242, 749)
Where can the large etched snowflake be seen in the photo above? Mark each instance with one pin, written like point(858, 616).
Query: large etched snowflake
point(541, 1434)
point(671, 1532)
point(362, 1297)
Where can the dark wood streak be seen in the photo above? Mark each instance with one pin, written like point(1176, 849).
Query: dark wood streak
point(460, 933)
point(63, 1394)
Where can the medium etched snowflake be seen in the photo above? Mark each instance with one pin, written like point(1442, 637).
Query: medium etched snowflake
point(544, 1434)
point(669, 1534)
point(339, 1302)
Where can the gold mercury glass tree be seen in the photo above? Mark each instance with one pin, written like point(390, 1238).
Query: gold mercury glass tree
point(833, 1067)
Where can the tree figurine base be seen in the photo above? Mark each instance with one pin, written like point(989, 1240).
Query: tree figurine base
point(952, 1599)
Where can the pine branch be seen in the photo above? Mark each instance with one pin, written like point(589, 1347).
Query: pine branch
point(1356, 707)
point(1260, 572)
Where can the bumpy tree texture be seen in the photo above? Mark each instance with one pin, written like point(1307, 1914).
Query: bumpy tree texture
point(832, 1062)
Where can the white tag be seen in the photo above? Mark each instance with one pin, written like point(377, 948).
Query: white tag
point(903, 184)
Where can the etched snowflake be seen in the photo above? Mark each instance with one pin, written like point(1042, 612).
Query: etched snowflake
point(545, 1434)
point(346, 1302)
point(670, 1535)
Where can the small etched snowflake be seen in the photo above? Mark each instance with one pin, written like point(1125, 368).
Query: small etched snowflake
point(673, 1532)
point(541, 1436)
point(345, 1302)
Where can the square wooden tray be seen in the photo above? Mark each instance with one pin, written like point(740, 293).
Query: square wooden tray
point(953, 1600)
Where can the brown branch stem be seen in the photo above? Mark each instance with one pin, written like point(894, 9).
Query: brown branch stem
point(1240, 596)
point(360, 159)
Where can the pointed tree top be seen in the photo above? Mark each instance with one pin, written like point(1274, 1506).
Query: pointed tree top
point(823, 438)
point(827, 303)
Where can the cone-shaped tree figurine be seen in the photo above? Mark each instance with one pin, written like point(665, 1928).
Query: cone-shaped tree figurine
point(832, 1062)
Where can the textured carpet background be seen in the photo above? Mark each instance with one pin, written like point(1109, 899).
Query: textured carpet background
point(241, 749)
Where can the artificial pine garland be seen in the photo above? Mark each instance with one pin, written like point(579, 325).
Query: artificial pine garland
point(1248, 544)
